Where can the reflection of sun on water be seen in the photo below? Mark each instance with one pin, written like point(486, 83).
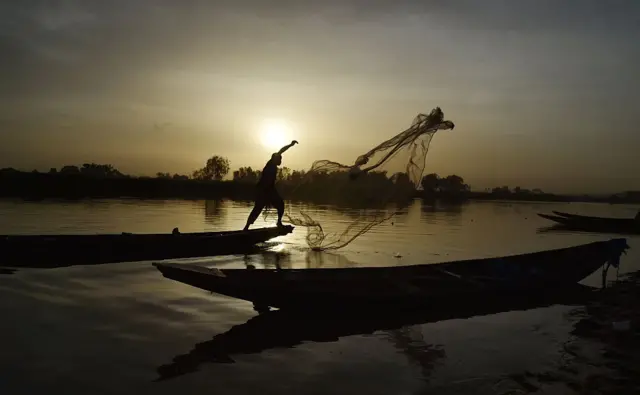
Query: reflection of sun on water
point(275, 133)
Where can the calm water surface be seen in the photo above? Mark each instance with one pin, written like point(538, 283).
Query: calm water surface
point(107, 329)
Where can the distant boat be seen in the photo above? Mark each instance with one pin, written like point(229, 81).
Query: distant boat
point(594, 224)
point(418, 284)
point(53, 251)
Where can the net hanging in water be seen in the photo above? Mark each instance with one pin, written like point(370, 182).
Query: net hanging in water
point(406, 152)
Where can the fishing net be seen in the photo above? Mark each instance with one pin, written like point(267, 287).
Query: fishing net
point(367, 181)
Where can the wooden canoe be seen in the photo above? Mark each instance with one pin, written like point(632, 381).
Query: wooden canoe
point(49, 251)
point(316, 288)
point(594, 224)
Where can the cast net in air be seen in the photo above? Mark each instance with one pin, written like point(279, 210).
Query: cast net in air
point(367, 181)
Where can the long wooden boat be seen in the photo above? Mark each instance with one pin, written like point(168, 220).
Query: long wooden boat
point(612, 220)
point(594, 224)
point(316, 288)
point(49, 251)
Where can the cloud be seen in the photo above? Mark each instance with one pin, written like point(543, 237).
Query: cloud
point(126, 49)
point(497, 64)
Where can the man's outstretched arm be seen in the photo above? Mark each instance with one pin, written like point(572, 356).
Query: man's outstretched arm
point(286, 147)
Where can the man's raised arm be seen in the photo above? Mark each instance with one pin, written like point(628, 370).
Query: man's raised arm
point(286, 147)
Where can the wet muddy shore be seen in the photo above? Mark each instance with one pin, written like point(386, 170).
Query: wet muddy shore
point(603, 354)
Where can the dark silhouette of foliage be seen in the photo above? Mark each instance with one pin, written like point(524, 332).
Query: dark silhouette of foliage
point(297, 176)
point(217, 168)
point(283, 174)
point(453, 185)
point(433, 184)
point(246, 175)
point(70, 170)
point(95, 180)
point(99, 171)
point(430, 183)
point(168, 176)
point(504, 190)
point(8, 170)
point(403, 184)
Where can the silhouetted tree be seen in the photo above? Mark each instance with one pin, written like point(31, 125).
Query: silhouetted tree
point(453, 184)
point(521, 191)
point(430, 183)
point(99, 171)
point(401, 178)
point(283, 173)
point(70, 170)
point(246, 175)
point(501, 190)
point(403, 183)
point(377, 176)
point(217, 168)
point(297, 176)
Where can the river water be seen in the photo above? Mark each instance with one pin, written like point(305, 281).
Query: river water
point(114, 329)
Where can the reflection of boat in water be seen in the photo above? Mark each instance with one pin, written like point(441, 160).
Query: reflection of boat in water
point(323, 259)
point(275, 256)
point(410, 341)
point(50, 251)
point(575, 222)
point(287, 329)
point(401, 285)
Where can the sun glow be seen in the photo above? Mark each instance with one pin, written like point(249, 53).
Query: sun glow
point(275, 133)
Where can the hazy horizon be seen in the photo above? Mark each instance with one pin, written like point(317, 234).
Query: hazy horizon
point(543, 94)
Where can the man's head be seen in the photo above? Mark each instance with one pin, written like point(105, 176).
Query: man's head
point(277, 159)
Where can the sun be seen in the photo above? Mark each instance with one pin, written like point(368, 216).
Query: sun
point(275, 133)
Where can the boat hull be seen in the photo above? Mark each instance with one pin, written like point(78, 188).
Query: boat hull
point(594, 224)
point(42, 251)
point(417, 284)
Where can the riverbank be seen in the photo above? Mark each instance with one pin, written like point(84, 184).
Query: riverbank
point(613, 320)
point(41, 186)
point(603, 356)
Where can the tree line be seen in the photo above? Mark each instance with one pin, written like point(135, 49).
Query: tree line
point(91, 179)
point(297, 183)
point(217, 168)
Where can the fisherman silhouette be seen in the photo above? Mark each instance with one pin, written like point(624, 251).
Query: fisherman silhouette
point(266, 193)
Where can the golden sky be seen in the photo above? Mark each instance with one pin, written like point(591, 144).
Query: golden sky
point(543, 93)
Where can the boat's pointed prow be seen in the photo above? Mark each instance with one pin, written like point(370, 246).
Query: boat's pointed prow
point(286, 229)
point(619, 245)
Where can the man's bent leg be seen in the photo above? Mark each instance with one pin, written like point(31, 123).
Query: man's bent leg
point(278, 203)
point(257, 208)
